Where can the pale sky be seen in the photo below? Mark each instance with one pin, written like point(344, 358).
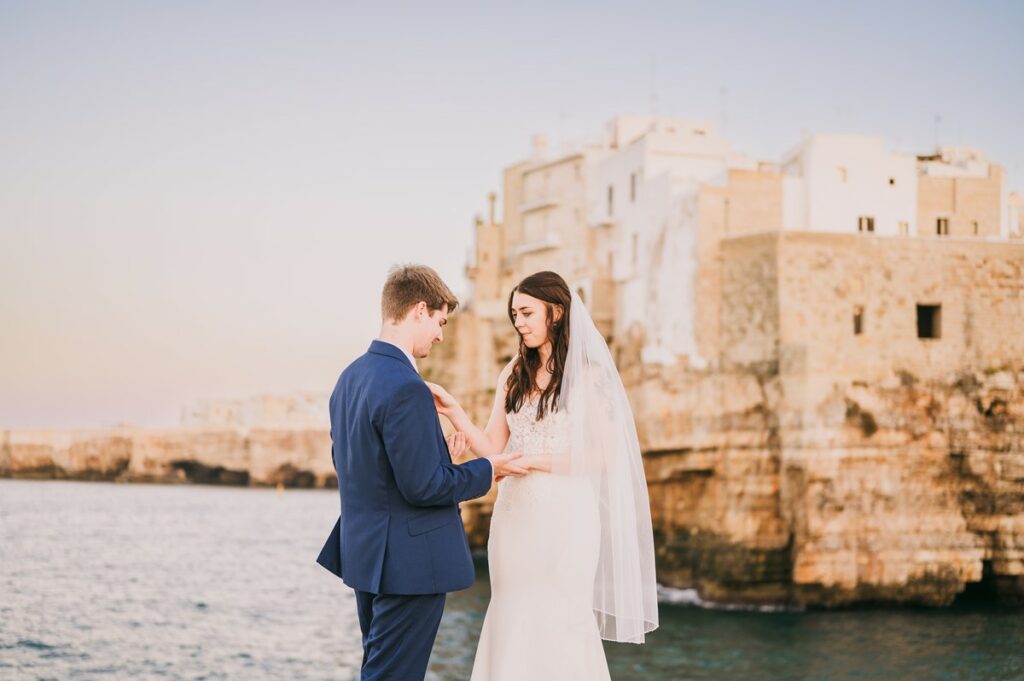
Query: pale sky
point(201, 200)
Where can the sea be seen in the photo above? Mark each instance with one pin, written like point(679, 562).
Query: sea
point(135, 581)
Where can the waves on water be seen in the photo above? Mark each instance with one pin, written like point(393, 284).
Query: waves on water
point(690, 597)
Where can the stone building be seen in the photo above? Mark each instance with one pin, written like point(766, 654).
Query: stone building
point(824, 354)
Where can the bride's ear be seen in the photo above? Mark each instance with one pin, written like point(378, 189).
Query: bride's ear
point(556, 312)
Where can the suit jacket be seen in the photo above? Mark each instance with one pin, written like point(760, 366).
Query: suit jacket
point(400, 531)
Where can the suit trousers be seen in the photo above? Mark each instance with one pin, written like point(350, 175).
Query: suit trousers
point(398, 634)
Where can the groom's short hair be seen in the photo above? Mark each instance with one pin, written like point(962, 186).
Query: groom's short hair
point(407, 285)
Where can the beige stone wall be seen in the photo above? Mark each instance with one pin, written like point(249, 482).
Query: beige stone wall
point(754, 202)
point(979, 285)
point(750, 203)
point(964, 200)
point(749, 312)
point(791, 296)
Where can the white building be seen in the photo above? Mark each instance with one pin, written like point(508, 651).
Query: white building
point(849, 183)
point(633, 220)
point(644, 190)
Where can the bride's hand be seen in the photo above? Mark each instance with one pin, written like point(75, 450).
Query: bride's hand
point(457, 444)
point(537, 462)
point(445, 403)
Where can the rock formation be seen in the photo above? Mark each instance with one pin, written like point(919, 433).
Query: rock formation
point(293, 458)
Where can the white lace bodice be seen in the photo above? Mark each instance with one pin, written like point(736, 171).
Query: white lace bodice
point(533, 437)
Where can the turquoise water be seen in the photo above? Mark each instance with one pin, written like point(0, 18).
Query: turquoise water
point(112, 581)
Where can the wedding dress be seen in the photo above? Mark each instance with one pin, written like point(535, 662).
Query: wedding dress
point(540, 623)
point(571, 552)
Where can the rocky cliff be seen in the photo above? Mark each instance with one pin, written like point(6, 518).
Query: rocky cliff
point(295, 458)
point(907, 492)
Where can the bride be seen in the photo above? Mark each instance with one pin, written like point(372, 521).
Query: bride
point(571, 552)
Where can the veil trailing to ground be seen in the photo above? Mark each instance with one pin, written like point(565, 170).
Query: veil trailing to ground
point(602, 448)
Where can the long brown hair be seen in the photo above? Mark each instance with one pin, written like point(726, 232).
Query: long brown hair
point(552, 290)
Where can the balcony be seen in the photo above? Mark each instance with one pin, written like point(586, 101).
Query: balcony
point(548, 241)
point(541, 203)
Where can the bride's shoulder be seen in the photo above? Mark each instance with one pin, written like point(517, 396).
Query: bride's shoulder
point(507, 371)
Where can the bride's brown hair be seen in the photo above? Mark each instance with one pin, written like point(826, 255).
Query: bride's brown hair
point(552, 290)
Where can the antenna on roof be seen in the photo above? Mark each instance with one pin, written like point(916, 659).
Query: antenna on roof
point(653, 94)
point(723, 102)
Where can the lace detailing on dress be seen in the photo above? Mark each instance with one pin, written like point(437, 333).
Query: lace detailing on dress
point(530, 436)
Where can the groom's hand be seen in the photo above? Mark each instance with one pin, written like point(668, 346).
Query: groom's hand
point(506, 465)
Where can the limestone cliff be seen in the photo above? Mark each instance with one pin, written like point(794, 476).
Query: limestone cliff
point(297, 458)
point(903, 493)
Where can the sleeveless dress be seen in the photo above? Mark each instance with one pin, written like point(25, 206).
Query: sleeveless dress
point(542, 555)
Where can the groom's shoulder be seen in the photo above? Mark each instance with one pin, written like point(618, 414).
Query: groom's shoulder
point(383, 372)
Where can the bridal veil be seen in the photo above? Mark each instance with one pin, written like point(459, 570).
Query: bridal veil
point(603, 449)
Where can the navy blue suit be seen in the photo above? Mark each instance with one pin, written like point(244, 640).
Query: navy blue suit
point(399, 541)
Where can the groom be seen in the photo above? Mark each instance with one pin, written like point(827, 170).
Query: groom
point(399, 542)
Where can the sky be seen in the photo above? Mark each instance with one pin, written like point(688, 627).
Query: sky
point(201, 200)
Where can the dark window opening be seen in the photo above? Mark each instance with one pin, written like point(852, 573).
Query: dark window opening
point(929, 321)
point(974, 224)
point(942, 226)
point(611, 200)
point(865, 224)
point(632, 188)
point(858, 320)
point(892, 180)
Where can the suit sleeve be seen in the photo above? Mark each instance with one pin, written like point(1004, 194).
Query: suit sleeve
point(422, 472)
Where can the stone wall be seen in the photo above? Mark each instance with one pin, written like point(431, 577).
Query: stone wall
point(964, 201)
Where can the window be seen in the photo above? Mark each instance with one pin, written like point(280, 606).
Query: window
point(892, 181)
point(611, 200)
point(865, 224)
point(974, 225)
point(929, 321)
point(632, 188)
point(942, 226)
point(904, 228)
point(858, 320)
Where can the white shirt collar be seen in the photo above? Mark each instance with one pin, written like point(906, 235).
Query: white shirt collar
point(405, 352)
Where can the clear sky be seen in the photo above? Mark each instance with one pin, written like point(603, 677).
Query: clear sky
point(201, 200)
